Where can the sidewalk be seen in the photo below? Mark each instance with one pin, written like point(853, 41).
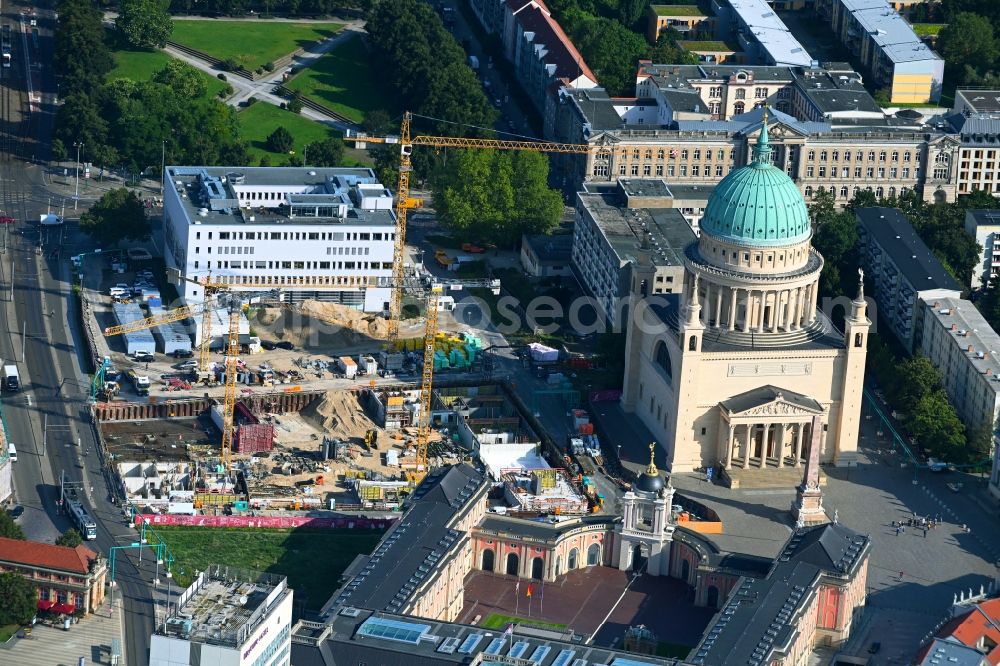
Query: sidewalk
point(91, 189)
point(90, 639)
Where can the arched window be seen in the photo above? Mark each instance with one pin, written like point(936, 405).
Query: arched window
point(738, 107)
point(809, 190)
point(843, 191)
point(571, 562)
point(594, 554)
point(537, 568)
point(513, 563)
point(693, 343)
point(879, 191)
point(663, 358)
point(712, 597)
point(487, 560)
point(859, 340)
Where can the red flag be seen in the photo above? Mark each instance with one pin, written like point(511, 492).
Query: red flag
point(529, 592)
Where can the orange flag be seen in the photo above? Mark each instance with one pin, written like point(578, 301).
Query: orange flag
point(529, 592)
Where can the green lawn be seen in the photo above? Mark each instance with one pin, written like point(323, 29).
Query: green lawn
point(141, 65)
point(928, 29)
point(259, 120)
point(252, 43)
point(498, 621)
point(342, 80)
point(311, 559)
point(706, 45)
point(8, 630)
point(677, 10)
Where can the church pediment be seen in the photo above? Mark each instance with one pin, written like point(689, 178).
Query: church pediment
point(770, 401)
point(778, 408)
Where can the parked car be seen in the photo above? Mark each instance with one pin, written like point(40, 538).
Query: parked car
point(142, 355)
point(16, 512)
point(187, 365)
point(284, 344)
point(183, 353)
point(267, 344)
point(6, 219)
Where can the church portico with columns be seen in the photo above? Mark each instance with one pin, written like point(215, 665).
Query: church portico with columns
point(767, 426)
point(735, 368)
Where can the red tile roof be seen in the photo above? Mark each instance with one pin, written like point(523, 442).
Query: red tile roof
point(561, 52)
point(984, 620)
point(35, 553)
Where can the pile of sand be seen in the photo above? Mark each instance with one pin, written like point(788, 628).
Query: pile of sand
point(339, 414)
point(373, 326)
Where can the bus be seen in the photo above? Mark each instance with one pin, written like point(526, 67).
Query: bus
point(85, 525)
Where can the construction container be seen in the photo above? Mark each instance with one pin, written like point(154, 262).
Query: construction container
point(392, 458)
point(543, 354)
point(368, 365)
point(391, 362)
point(347, 366)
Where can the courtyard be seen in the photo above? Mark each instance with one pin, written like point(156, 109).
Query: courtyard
point(598, 601)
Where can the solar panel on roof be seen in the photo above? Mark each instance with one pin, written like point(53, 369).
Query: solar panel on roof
point(470, 643)
point(563, 657)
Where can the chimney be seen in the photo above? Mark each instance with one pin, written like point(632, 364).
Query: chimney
point(969, 349)
point(935, 305)
point(986, 355)
point(954, 327)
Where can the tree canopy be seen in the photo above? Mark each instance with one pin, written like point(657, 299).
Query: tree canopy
point(495, 196)
point(70, 538)
point(80, 53)
point(183, 79)
point(280, 140)
point(10, 529)
point(145, 23)
point(326, 153)
point(118, 215)
point(18, 597)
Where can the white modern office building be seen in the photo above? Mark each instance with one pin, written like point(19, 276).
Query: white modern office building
point(761, 33)
point(284, 228)
point(227, 617)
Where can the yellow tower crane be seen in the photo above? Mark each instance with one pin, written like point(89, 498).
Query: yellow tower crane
point(404, 202)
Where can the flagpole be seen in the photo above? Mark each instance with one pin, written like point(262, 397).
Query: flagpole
point(541, 600)
point(517, 597)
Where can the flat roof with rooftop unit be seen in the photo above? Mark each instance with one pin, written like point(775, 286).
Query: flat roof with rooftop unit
point(227, 615)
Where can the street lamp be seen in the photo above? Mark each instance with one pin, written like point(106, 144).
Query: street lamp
point(163, 164)
point(78, 145)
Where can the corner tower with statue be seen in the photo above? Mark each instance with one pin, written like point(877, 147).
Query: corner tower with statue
point(734, 372)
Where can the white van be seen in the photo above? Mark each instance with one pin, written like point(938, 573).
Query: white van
point(12, 452)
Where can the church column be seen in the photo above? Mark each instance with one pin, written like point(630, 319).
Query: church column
point(763, 445)
point(798, 444)
point(812, 301)
point(746, 445)
point(727, 459)
point(718, 306)
point(780, 443)
point(772, 323)
point(786, 308)
point(746, 312)
point(822, 439)
point(733, 297)
point(804, 310)
point(760, 311)
point(793, 309)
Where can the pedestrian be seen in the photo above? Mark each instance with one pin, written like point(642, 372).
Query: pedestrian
point(897, 530)
point(925, 532)
point(900, 575)
point(894, 523)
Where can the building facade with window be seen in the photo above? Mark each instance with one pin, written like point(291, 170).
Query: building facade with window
point(962, 345)
point(828, 133)
point(904, 272)
point(68, 579)
point(885, 43)
point(984, 225)
point(611, 237)
point(732, 372)
point(227, 616)
point(270, 228)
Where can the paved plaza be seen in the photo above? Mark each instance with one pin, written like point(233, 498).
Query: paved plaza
point(599, 601)
point(54, 646)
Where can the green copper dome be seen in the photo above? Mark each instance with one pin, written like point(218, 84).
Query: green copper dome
point(757, 204)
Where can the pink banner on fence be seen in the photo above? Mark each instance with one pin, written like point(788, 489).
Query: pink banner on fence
point(267, 522)
point(608, 395)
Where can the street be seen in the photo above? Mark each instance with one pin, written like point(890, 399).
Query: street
point(49, 420)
